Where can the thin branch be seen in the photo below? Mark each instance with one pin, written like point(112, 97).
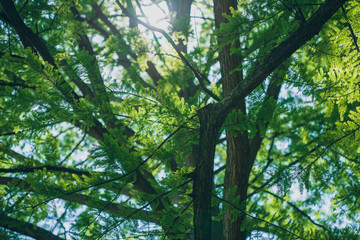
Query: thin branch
point(176, 219)
point(197, 74)
point(326, 148)
point(259, 219)
point(354, 37)
point(137, 210)
point(26, 169)
point(26, 228)
point(53, 20)
point(73, 150)
point(220, 169)
point(270, 160)
point(272, 92)
point(135, 170)
point(103, 209)
point(110, 207)
point(273, 179)
point(297, 209)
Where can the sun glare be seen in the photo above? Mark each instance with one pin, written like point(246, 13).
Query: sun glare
point(156, 14)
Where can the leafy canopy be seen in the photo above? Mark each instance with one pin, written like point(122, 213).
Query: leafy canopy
point(99, 129)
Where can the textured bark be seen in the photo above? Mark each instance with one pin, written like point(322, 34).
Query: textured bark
point(203, 180)
point(237, 169)
point(237, 174)
point(277, 56)
point(207, 115)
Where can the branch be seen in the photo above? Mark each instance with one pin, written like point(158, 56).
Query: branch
point(175, 220)
point(113, 226)
point(197, 74)
point(326, 148)
point(258, 219)
point(297, 209)
point(30, 39)
point(350, 29)
point(140, 177)
point(278, 55)
point(269, 161)
point(117, 209)
point(274, 180)
point(13, 85)
point(123, 60)
point(73, 150)
point(26, 169)
point(273, 93)
point(26, 228)
point(84, 88)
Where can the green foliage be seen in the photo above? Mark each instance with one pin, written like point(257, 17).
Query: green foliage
point(100, 145)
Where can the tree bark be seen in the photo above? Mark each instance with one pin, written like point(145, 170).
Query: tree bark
point(203, 179)
point(212, 116)
point(279, 54)
point(237, 169)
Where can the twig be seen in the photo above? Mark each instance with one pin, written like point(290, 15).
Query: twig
point(73, 150)
point(197, 74)
point(350, 29)
point(175, 220)
point(138, 210)
point(113, 179)
point(258, 219)
point(297, 209)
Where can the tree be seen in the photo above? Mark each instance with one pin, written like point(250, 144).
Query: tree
point(239, 120)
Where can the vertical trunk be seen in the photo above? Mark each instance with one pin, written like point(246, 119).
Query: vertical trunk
point(212, 116)
point(237, 174)
point(181, 14)
point(202, 156)
point(237, 165)
point(203, 180)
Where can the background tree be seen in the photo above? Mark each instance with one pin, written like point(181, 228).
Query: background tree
point(238, 120)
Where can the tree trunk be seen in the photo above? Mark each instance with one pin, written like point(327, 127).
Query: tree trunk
point(237, 169)
point(212, 116)
point(203, 179)
point(182, 14)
